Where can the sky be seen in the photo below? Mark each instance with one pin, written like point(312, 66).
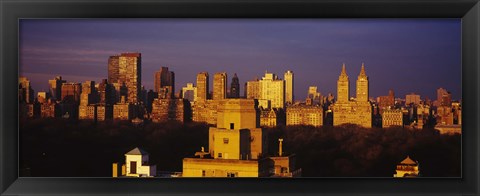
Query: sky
point(405, 55)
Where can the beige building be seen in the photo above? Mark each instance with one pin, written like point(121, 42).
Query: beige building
point(273, 89)
point(202, 86)
point(169, 109)
point(237, 147)
point(269, 117)
point(104, 112)
point(407, 168)
point(205, 111)
point(219, 86)
point(189, 92)
point(289, 87)
point(449, 129)
point(412, 98)
point(126, 69)
point(392, 117)
point(235, 144)
point(358, 111)
point(252, 89)
point(304, 115)
point(123, 111)
point(136, 165)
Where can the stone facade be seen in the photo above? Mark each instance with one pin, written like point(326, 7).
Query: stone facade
point(170, 109)
point(304, 115)
point(346, 111)
point(392, 118)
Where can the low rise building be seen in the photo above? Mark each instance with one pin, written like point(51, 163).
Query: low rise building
point(305, 115)
point(407, 168)
point(392, 117)
point(136, 165)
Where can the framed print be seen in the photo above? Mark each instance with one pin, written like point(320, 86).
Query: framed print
point(267, 97)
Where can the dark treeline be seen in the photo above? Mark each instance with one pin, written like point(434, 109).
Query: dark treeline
point(361, 152)
point(57, 147)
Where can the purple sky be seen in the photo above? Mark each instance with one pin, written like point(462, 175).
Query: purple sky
point(406, 55)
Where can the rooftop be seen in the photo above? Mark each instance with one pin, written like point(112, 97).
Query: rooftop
point(137, 151)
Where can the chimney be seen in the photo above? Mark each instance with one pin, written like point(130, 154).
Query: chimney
point(280, 147)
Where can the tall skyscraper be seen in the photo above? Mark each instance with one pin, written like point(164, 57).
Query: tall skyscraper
point(55, 87)
point(219, 86)
point(25, 91)
point(127, 70)
point(202, 86)
point(235, 87)
point(289, 87)
point(343, 92)
point(358, 111)
point(273, 89)
point(165, 83)
point(113, 69)
point(362, 85)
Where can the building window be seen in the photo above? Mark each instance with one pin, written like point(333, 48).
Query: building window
point(232, 126)
point(219, 155)
point(225, 140)
point(203, 173)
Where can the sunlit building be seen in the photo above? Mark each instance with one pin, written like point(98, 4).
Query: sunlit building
point(219, 86)
point(170, 110)
point(71, 92)
point(412, 98)
point(189, 93)
point(358, 111)
point(272, 88)
point(202, 86)
point(252, 89)
point(25, 91)
point(301, 114)
point(136, 165)
point(289, 87)
point(392, 117)
point(269, 117)
point(123, 110)
point(407, 169)
point(126, 68)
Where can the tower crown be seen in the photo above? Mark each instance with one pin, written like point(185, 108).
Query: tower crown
point(362, 72)
point(343, 74)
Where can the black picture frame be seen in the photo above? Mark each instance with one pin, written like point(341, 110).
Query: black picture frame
point(11, 11)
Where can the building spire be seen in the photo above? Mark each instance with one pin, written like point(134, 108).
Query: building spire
point(362, 71)
point(344, 71)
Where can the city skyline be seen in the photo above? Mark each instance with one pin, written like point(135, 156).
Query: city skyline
point(54, 47)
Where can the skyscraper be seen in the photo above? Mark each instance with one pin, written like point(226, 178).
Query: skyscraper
point(127, 70)
point(113, 69)
point(358, 111)
point(362, 85)
point(25, 91)
point(220, 86)
point(55, 87)
point(343, 92)
point(272, 89)
point(202, 86)
point(235, 87)
point(289, 90)
point(165, 83)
